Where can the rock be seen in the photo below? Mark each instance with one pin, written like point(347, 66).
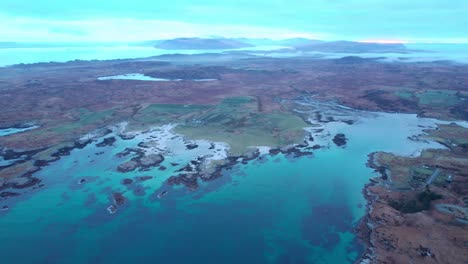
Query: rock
point(127, 166)
point(191, 146)
point(316, 146)
point(425, 252)
point(118, 198)
point(129, 151)
point(189, 181)
point(144, 145)
point(126, 136)
point(112, 209)
point(106, 142)
point(151, 160)
point(340, 139)
point(162, 194)
point(5, 208)
point(81, 181)
point(162, 168)
point(274, 151)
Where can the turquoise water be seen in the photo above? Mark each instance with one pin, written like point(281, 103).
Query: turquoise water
point(275, 209)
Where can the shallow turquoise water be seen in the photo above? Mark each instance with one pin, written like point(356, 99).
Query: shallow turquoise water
point(272, 210)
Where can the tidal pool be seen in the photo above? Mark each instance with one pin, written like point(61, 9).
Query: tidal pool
point(275, 209)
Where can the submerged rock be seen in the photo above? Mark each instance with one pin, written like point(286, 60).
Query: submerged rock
point(127, 181)
point(8, 194)
point(143, 178)
point(188, 180)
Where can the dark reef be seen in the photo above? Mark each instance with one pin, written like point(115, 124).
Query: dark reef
point(340, 139)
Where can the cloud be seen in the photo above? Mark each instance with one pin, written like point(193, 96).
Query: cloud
point(122, 20)
point(128, 30)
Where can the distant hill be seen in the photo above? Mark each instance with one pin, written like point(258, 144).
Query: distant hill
point(291, 42)
point(352, 47)
point(201, 43)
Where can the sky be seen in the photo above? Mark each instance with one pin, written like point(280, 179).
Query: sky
point(139, 20)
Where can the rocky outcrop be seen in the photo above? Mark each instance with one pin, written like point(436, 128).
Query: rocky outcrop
point(109, 141)
point(150, 160)
point(128, 166)
point(141, 162)
point(340, 139)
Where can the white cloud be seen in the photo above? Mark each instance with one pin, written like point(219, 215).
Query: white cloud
point(124, 29)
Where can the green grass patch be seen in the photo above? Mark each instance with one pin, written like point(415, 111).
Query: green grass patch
point(157, 114)
point(86, 118)
point(442, 98)
point(237, 122)
point(405, 95)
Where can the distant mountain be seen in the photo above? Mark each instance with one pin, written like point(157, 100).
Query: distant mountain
point(201, 43)
point(291, 42)
point(352, 47)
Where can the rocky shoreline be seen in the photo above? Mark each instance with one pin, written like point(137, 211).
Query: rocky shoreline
point(365, 227)
point(26, 179)
point(195, 170)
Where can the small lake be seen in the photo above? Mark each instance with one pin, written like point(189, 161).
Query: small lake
point(12, 130)
point(142, 77)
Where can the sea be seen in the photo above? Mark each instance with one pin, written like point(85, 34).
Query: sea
point(421, 52)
